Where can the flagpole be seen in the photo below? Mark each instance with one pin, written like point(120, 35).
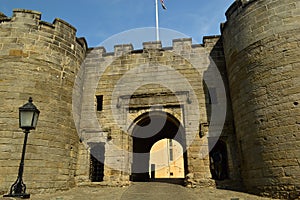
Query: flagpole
point(157, 27)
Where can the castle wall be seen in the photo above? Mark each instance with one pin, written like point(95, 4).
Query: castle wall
point(38, 59)
point(262, 50)
point(131, 81)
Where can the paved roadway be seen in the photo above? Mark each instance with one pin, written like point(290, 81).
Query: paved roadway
point(145, 191)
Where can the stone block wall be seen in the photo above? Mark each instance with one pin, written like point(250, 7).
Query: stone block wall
point(262, 50)
point(38, 59)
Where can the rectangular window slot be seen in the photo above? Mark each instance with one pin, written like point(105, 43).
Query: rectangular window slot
point(99, 102)
point(171, 149)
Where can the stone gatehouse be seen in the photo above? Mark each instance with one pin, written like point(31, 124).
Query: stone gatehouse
point(133, 99)
point(223, 113)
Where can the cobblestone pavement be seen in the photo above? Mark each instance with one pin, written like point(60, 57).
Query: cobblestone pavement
point(145, 191)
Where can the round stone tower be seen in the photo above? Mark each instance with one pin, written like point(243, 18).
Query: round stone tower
point(262, 50)
point(38, 59)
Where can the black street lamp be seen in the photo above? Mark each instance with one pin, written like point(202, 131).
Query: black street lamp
point(28, 117)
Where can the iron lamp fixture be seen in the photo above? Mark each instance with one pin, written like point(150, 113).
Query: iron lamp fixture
point(28, 117)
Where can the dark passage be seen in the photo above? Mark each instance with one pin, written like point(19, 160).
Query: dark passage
point(96, 162)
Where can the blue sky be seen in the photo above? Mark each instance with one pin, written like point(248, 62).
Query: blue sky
point(98, 20)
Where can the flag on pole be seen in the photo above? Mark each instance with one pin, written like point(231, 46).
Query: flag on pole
point(163, 4)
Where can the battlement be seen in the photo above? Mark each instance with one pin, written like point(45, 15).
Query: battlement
point(30, 14)
point(60, 29)
point(32, 19)
point(178, 45)
point(152, 45)
point(123, 48)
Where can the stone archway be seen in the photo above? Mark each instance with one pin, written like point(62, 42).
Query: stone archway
point(150, 128)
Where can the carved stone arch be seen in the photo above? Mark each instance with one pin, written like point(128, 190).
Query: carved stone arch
point(143, 114)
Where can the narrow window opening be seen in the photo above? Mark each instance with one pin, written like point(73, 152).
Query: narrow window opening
point(99, 102)
point(171, 149)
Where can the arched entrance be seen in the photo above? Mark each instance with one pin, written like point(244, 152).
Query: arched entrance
point(149, 129)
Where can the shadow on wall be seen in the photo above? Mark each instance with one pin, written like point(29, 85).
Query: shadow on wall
point(224, 153)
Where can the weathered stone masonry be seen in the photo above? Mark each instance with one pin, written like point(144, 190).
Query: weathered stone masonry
point(262, 51)
point(41, 60)
point(257, 56)
point(191, 61)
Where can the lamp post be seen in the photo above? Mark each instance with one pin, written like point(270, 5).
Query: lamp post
point(28, 117)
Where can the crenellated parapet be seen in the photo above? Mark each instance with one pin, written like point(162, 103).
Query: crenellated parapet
point(31, 17)
point(26, 29)
point(179, 46)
